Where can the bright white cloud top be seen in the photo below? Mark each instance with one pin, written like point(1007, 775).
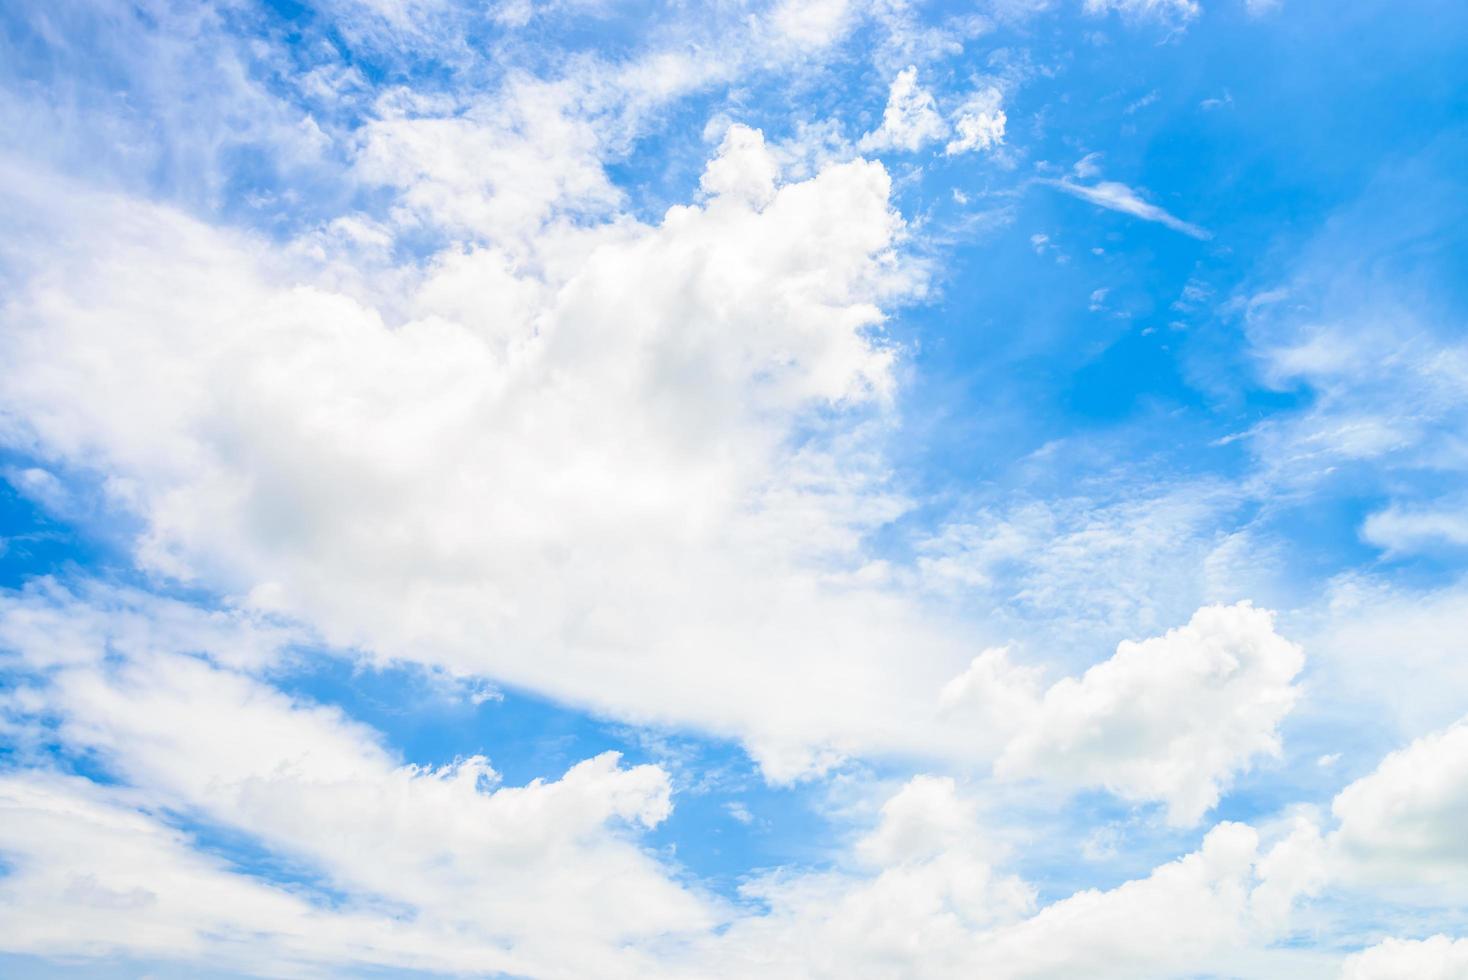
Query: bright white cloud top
point(798, 489)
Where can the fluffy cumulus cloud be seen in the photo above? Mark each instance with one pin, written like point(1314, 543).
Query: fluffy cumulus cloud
point(1403, 822)
point(979, 123)
point(636, 492)
point(923, 885)
point(1437, 958)
point(619, 418)
point(910, 121)
point(936, 908)
point(744, 170)
point(1185, 913)
point(1169, 718)
point(465, 873)
point(1172, 718)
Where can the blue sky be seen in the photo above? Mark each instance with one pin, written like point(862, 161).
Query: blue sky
point(809, 488)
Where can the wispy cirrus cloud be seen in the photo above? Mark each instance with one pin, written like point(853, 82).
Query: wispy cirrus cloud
point(1115, 196)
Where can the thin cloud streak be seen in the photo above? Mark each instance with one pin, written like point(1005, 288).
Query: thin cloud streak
point(1119, 197)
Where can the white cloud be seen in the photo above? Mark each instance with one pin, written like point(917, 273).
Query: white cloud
point(1297, 867)
point(51, 628)
point(632, 463)
point(978, 123)
point(1173, 718)
point(168, 698)
point(518, 13)
point(169, 134)
point(40, 486)
point(1005, 696)
point(621, 411)
point(1088, 166)
point(548, 876)
point(1404, 821)
point(1184, 916)
point(664, 437)
point(739, 812)
point(922, 886)
point(1065, 572)
point(94, 875)
point(1399, 530)
point(1166, 10)
point(499, 169)
point(498, 166)
point(1435, 958)
point(1360, 323)
point(544, 879)
point(1382, 390)
point(1414, 690)
point(1119, 197)
point(744, 170)
point(812, 24)
point(910, 121)
point(1133, 108)
point(932, 905)
point(91, 875)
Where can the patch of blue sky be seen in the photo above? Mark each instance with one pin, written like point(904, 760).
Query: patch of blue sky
point(45, 748)
point(57, 523)
point(20, 967)
point(1135, 345)
point(726, 821)
point(238, 850)
point(32, 542)
point(1091, 840)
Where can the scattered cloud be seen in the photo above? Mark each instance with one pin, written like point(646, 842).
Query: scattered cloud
point(1172, 718)
point(1088, 166)
point(517, 874)
point(1402, 822)
point(614, 352)
point(978, 123)
point(1119, 197)
point(1179, 11)
point(1435, 958)
point(1138, 105)
point(911, 120)
point(1398, 530)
